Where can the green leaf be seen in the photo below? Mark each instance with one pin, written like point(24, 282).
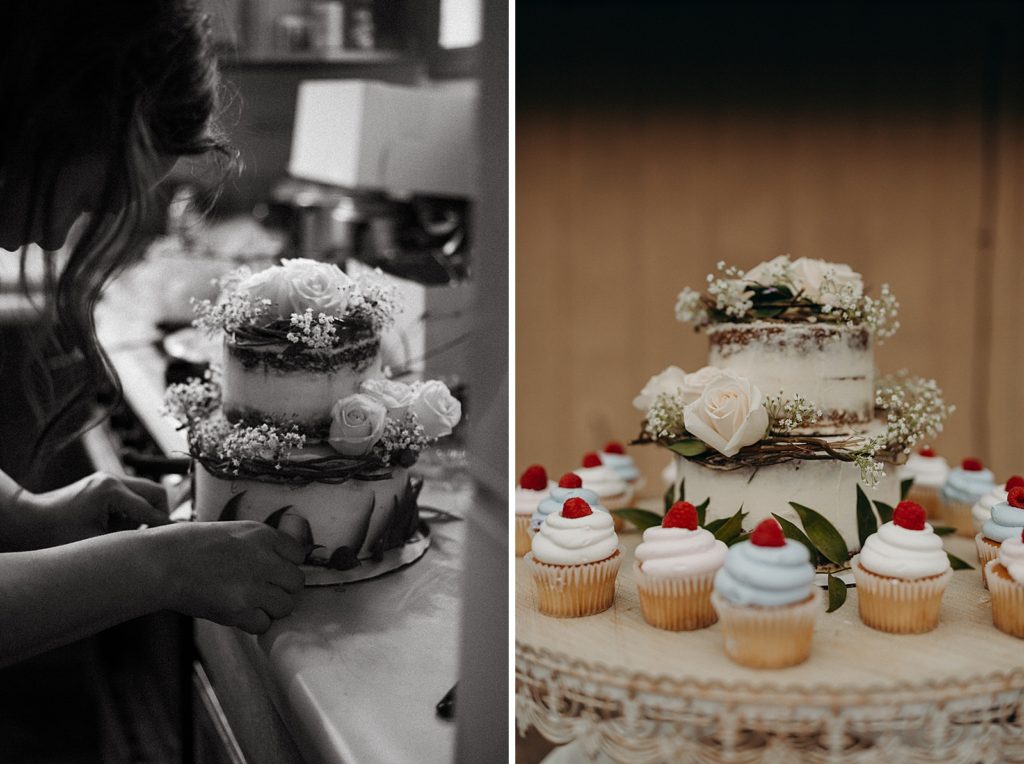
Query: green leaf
point(884, 511)
point(737, 539)
point(670, 496)
point(792, 531)
point(836, 593)
point(943, 530)
point(767, 312)
point(714, 525)
point(691, 447)
point(275, 517)
point(230, 511)
point(823, 535)
point(867, 523)
point(905, 486)
point(731, 527)
point(702, 511)
point(957, 563)
point(641, 518)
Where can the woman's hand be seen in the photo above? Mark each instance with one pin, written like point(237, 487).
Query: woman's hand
point(97, 504)
point(242, 574)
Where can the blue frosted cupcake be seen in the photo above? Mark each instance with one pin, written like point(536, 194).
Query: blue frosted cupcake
point(965, 485)
point(570, 486)
point(1006, 522)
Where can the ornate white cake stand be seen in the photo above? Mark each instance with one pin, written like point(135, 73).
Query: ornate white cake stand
point(616, 687)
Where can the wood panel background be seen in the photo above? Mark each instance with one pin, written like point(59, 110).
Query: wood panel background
point(910, 171)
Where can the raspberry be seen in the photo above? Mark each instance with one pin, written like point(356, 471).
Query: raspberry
point(614, 447)
point(570, 480)
point(768, 533)
point(972, 465)
point(534, 479)
point(576, 507)
point(927, 451)
point(909, 515)
point(1015, 481)
point(591, 459)
point(1016, 498)
point(682, 514)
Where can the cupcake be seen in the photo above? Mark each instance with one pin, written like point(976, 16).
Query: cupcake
point(964, 486)
point(901, 574)
point(766, 600)
point(614, 455)
point(533, 487)
point(929, 472)
point(574, 561)
point(570, 486)
point(1006, 582)
point(675, 569)
point(982, 509)
point(1006, 522)
point(598, 477)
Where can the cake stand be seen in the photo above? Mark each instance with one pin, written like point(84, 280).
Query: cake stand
point(618, 688)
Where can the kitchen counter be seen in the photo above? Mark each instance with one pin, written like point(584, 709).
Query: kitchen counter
point(355, 672)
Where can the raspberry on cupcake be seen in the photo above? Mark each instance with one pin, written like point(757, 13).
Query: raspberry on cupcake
point(533, 487)
point(982, 509)
point(1006, 521)
point(569, 486)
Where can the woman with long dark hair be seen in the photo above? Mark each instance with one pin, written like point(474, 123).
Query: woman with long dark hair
point(100, 100)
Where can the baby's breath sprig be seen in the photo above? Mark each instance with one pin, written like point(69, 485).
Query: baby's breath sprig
point(914, 407)
point(665, 417)
point(729, 292)
point(374, 300)
point(788, 414)
point(229, 314)
point(401, 441)
point(187, 402)
point(318, 333)
point(690, 308)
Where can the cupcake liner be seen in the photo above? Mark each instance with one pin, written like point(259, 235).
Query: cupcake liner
point(958, 515)
point(676, 604)
point(524, 536)
point(927, 498)
point(768, 637)
point(896, 605)
point(987, 550)
point(572, 591)
point(1007, 600)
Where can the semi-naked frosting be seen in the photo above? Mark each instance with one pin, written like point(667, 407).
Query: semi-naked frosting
point(679, 552)
point(967, 486)
point(552, 504)
point(575, 540)
point(623, 465)
point(899, 552)
point(1011, 556)
point(981, 512)
point(832, 366)
point(766, 576)
point(926, 471)
point(527, 499)
point(1006, 522)
point(602, 480)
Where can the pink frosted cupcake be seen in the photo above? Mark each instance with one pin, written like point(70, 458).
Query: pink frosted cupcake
point(1005, 576)
point(533, 487)
point(675, 571)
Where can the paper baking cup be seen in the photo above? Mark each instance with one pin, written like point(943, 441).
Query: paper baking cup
point(957, 515)
point(768, 637)
point(1007, 599)
point(927, 498)
point(524, 537)
point(676, 604)
point(572, 591)
point(896, 605)
point(987, 550)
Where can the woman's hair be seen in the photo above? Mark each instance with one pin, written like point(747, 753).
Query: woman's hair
point(122, 85)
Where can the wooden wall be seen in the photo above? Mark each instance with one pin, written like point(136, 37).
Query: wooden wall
point(914, 175)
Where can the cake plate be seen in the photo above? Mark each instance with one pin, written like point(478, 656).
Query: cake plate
point(616, 687)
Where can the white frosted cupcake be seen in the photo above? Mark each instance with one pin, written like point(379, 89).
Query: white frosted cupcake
point(613, 491)
point(574, 560)
point(614, 455)
point(902, 573)
point(1005, 522)
point(533, 487)
point(929, 472)
point(1005, 576)
point(569, 486)
point(766, 599)
point(675, 570)
point(965, 485)
point(982, 509)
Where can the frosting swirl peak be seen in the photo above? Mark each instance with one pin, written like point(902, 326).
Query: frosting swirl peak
point(903, 553)
point(1011, 556)
point(677, 552)
point(967, 486)
point(1005, 523)
point(575, 540)
point(766, 576)
point(552, 504)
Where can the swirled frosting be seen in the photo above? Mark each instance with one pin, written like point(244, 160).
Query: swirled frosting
point(767, 576)
point(552, 504)
point(1011, 555)
point(1006, 522)
point(679, 552)
point(899, 552)
point(602, 480)
point(575, 540)
point(967, 486)
point(528, 499)
point(927, 471)
point(982, 509)
point(623, 465)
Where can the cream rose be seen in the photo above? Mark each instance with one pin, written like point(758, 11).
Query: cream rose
point(669, 381)
point(396, 397)
point(695, 382)
point(809, 274)
point(728, 415)
point(436, 409)
point(301, 283)
point(357, 423)
point(774, 272)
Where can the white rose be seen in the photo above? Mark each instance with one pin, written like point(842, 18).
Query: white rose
point(808, 276)
point(845, 280)
point(668, 381)
point(396, 397)
point(728, 415)
point(436, 409)
point(771, 273)
point(301, 283)
point(356, 424)
point(695, 382)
